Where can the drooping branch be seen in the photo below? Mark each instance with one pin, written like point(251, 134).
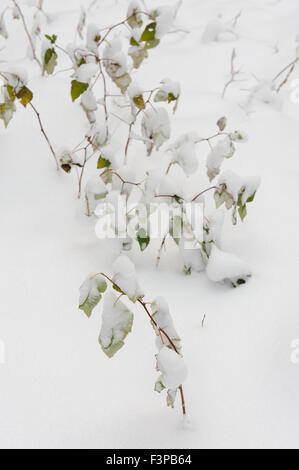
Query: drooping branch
point(3, 74)
point(181, 199)
point(161, 331)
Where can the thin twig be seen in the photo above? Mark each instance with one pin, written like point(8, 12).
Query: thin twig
point(290, 69)
point(82, 172)
point(105, 98)
point(160, 251)
point(233, 72)
point(111, 28)
point(124, 182)
point(44, 134)
point(28, 34)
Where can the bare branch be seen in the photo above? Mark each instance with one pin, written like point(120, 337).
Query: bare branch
point(289, 69)
point(233, 73)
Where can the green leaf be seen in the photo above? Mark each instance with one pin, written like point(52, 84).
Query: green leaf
point(152, 44)
point(149, 34)
point(175, 228)
point(240, 282)
point(66, 167)
point(81, 62)
point(7, 110)
point(77, 89)
point(123, 82)
point(134, 21)
point(251, 198)
point(52, 38)
point(171, 97)
point(50, 61)
point(171, 397)
point(138, 54)
point(160, 96)
point(25, 96)
point(103, 163)
point(187, 270)
point(219, 199)
point(90, 293)
point(242, 212)
point(221, 123)
point(117, 321)
point(159, 386)
point(238, 136)
point(143, 239)
point(133, 42)
point(11, 92)
point(139, 101)
point(117, 289)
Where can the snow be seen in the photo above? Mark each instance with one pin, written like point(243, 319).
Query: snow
point(88, 101)
point(58, 389)
point(91, 289)
point(116, 324)
point(156, 127)
point(172, 367)
point(165, 18)
point(223, 149)
point(239, 136)
point(97, 132)
point(217, 30)
point(134, 10)
point(224, 266)
point(125, 277)
point(235, 184)
point(128, 175)
point(192, 256)
point(96, 185)
point(86, 72)
point(116, 61)
point(134, 90)
point(169, 87)
point(92, 34)
point(163, 319)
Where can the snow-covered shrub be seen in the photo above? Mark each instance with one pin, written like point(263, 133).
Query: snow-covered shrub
point(103, 83)
point(117, 323)
point(102, 67)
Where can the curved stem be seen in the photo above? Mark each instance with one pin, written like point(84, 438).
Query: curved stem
point(160, 330)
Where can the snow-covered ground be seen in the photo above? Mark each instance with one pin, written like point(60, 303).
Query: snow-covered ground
point(57, 388)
